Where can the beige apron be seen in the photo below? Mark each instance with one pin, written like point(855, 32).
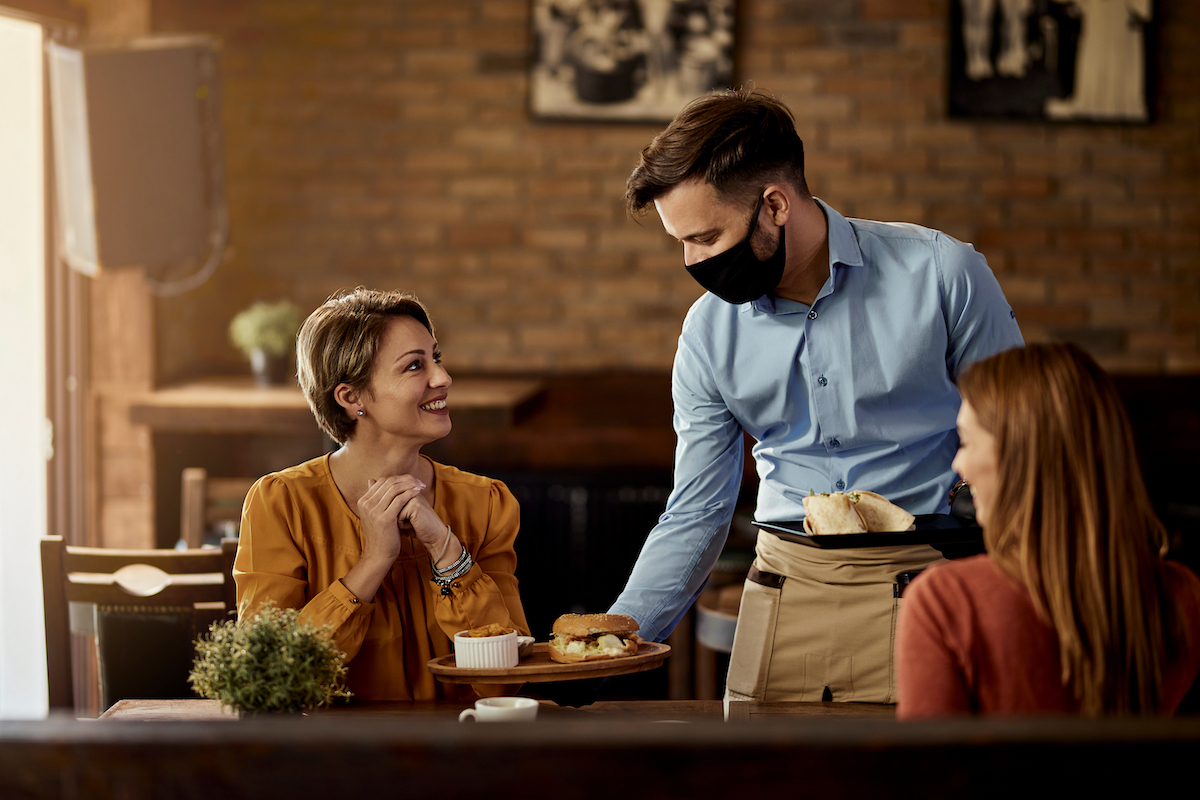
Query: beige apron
point(824, 626)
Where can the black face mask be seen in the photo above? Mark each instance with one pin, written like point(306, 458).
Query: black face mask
point(737, 276)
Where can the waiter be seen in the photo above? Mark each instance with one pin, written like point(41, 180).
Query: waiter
point(834, 343)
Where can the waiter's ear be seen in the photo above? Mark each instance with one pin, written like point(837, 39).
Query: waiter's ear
point(777, 202)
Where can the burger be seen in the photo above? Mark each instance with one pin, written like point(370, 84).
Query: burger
point(592, 637)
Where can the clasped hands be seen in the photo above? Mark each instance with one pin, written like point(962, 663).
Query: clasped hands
point(398, 503)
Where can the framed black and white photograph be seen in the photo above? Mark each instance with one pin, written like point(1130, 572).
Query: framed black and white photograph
point(1052, 60)
point(628, 60)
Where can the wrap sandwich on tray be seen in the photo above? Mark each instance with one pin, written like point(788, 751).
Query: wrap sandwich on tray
point(853, 512)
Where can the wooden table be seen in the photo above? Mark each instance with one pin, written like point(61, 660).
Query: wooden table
point(611, 710)
point(416, 750)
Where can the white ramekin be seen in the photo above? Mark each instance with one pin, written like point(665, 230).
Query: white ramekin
point(485, 652)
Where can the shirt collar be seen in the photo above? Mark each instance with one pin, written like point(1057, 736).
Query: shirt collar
point(843, 244)
point(843, 252)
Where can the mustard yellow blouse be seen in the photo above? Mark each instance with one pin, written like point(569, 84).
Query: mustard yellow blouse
point(299, 537)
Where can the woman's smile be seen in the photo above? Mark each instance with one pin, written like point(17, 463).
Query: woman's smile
point(436, 406)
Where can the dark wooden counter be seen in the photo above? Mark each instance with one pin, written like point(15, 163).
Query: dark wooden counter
point(585, 421)
point(616, 710)
point(589, 756)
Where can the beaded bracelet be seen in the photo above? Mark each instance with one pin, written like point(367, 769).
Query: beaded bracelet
point(460, 568)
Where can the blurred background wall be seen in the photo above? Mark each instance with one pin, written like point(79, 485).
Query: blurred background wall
point(388, 143)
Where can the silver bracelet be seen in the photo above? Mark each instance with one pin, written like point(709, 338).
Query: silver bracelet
point(463, 556)
point(463, 568)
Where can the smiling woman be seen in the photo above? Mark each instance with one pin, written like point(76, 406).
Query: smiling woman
point(394, 552)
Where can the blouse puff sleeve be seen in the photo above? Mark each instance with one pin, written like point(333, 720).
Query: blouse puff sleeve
point(488, 592)
point(271, 566)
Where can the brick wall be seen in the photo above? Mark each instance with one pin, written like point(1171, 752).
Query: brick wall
point(388, 143)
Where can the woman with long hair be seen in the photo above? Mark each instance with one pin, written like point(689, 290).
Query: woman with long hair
point(394, 552)
point(1073, 609)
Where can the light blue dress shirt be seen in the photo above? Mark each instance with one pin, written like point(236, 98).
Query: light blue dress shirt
point(855, 392)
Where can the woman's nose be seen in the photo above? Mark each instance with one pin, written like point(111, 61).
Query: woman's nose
point(440, 376)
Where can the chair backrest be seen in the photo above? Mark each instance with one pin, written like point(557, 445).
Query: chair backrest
point(228, 554)
point(208, 502)
point(191, 587)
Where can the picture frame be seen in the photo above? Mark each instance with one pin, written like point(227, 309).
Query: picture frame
point(628, 60)
point(1051, 60)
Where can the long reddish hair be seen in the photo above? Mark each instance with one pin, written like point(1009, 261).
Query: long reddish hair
point(1073, 522)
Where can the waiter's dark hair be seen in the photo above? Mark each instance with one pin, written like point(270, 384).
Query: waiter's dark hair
point(737, 140)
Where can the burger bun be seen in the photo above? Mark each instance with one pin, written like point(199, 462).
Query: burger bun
point(593, 637)
point(595, 624)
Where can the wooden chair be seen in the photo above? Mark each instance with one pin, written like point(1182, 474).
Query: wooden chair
point(149, 605)
point(210, 502)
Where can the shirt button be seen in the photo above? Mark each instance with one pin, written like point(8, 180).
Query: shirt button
point(840, 485)
point(836, 443)
point(821, 381)
point(812, 314)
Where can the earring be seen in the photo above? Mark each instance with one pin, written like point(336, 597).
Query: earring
point(361, 412)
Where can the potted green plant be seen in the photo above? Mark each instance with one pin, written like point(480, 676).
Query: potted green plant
point(271, 662)
point(266, 334)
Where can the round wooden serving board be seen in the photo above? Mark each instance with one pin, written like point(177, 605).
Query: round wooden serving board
point(538, 668)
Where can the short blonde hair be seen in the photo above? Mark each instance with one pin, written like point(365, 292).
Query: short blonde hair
point(337, 344)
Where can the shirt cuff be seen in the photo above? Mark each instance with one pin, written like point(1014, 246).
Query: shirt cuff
point(462, 583)
point(645, 631)
point(348, 600)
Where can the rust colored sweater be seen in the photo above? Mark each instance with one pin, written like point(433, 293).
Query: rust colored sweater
point(969, 642)
point(299, 538)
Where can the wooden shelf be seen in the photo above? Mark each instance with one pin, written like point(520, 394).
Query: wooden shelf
point(237, 405)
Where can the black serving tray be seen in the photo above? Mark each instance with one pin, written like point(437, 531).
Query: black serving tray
point(931, 529)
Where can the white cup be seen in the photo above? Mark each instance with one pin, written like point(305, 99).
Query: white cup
point(485, 652)
point(502, 709)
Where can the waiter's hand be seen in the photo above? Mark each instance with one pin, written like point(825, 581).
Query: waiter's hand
point(962, 507)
